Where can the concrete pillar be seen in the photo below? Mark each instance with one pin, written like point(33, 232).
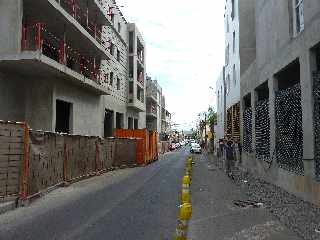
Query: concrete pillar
point(307, 103)
point(11, 13)
point(273, 87)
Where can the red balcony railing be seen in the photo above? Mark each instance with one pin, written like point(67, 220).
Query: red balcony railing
point(37, 37)
point(152, 109)
point(85, 19)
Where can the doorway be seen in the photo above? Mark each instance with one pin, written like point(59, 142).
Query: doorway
point(108, 123)
point(63, 117)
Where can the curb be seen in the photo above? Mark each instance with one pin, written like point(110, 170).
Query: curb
point(7, 206)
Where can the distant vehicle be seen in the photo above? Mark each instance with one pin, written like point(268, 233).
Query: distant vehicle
point(195, 148)
point(178, 145)
point(172, 147)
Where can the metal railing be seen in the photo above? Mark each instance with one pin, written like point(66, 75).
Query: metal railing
point(82, 16)
point(36, 37)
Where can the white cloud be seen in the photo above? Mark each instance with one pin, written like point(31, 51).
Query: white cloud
point(185, 50)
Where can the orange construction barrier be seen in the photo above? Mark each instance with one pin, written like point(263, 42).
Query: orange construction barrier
point(147, 149)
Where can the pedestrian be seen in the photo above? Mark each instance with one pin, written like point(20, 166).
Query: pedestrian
point(221, 146)
point(229, 157)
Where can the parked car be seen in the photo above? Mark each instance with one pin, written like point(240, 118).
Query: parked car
point(178, 145)
point(195, 148)
point(172, 147)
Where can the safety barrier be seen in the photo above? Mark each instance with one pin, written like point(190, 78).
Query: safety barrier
point(33, 161)
point(37, 37)
point(147, 146)
point(185, 209)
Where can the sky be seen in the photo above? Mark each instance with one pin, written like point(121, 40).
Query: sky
point(184, 51)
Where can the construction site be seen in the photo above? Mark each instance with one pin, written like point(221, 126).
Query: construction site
point(73, 98)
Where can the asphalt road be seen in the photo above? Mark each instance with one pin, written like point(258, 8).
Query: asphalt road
point(139, 203)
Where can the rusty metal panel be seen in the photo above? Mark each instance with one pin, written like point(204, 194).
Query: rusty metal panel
point(46, 155)
point(125, 152)
point(81, 151)
point(11, 157)
point(107, 152)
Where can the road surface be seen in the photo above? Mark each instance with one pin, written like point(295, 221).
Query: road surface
point(137, 203)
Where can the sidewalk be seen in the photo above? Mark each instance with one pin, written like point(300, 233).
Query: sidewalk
point(215, 216)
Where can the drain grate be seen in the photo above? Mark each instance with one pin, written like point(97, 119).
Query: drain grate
point(247, 204)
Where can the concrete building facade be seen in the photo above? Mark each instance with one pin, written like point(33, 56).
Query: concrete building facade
point(280, 89)
point(221, 107)
point(239, 53)
point(64, 66)
point(158, 117)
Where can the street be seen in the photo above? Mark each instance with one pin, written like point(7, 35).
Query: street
point(141, 203)
point(135, 203)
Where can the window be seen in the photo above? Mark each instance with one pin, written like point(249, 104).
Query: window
point(234, 41)
point(119, 27)
point(131, 42)
point(111, 79)
point(119, 120)
point(228, 84)
point(118, 55)
point(131, 66)
point(232, 9)
point(234, 72)
point(131, 87)
point(136, 124)
point(111, 48)
point(130, 123)
point(112, 18)
point(118, 83)
point(299, 16)
point(218, 97)
point(227, 55)
point(227, 23)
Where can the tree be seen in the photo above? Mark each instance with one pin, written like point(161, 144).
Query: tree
point(211, 119)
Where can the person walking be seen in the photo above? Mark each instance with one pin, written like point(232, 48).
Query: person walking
point(229, 157)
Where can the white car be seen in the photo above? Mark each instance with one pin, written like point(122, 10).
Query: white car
point(195, 148)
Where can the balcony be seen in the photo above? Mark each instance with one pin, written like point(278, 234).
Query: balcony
point(152, 95)
point(45, 54)
point(163, 114)
point(82, 20)
point(151, 111)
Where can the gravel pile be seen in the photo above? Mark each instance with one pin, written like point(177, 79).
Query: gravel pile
point(299, 216)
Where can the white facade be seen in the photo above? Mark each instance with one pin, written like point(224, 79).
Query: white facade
point(220, 90)
point(232, 57)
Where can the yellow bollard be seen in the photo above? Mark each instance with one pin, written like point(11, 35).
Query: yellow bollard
point(185, 193)
point(186, 180)
point(185, 212)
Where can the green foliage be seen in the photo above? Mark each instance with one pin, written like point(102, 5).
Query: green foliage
point(211, 116)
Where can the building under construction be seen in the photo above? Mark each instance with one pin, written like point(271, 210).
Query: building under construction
point(72, 66)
